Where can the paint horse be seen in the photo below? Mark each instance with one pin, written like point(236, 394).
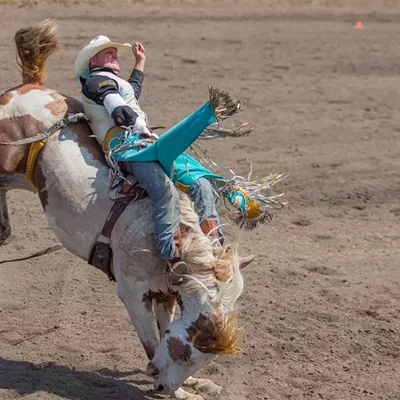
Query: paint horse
point(72, 178)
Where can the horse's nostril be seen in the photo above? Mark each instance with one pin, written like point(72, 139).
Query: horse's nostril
point(160, 388)
point(152, 370)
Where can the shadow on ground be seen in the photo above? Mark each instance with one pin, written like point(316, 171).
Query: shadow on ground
point(27, 378)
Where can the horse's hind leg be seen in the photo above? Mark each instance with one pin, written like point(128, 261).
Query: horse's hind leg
point(5, 227)
point(9, 182)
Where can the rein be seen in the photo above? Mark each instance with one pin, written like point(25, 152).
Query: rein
point(38, 254)
point(61, 123)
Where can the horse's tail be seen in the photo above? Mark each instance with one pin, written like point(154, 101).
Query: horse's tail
point(34, 45)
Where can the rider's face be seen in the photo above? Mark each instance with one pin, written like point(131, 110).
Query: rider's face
point(106, 58)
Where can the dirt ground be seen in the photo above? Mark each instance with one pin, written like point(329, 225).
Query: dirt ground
point(320, 311)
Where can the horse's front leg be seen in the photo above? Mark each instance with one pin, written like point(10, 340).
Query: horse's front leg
point(183, 395)
point(139, 303)
point(135, 296)
point(5, 227)
point(202, 385)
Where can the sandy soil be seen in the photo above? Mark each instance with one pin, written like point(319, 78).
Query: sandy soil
point(320, 312)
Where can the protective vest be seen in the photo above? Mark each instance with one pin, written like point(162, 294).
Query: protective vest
point(100, 120)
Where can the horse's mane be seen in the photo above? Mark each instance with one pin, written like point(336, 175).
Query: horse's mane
point(215, 270)
point(210, 264)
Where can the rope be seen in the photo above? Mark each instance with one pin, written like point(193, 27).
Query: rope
point(38, 254)
point(61, 123)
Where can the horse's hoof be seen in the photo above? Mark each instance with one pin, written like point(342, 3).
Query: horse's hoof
point(4, 235)
point(183, 395)
point(203, 386)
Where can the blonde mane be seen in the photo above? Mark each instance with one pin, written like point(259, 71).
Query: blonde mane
point(219, 275)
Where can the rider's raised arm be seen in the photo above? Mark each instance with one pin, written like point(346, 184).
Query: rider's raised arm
point(136, 81)
point(136, 78)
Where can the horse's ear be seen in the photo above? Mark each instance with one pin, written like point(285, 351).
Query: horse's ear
point(245, 261)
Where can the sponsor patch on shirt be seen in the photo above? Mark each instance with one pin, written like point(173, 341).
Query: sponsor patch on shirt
point(107, 83)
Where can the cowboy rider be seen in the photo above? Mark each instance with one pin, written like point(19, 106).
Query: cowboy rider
point(109, 100)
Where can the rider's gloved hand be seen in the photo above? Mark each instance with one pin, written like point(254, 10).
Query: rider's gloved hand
point(124, 116)
point(141, 127)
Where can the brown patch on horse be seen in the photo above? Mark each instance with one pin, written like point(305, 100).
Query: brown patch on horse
point(178, 350)
point(13, 158)
point(147, 300)
point(168, 301)
point(5, 98)
point(149, 349)
point(217, 337)
point(23, 89)
point(59, 106)
point(202, 333)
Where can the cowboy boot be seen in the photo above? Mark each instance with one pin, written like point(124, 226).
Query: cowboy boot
point(210, 228)
point(176, 265)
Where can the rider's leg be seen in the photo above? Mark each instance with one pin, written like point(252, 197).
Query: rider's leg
point(202, 195)
point(153, 179)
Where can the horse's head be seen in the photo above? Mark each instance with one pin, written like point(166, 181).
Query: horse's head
point(207, 326)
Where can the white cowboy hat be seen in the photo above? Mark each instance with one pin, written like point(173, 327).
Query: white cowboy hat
point(97, 44)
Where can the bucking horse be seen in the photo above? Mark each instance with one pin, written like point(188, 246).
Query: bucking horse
point(71, 176)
